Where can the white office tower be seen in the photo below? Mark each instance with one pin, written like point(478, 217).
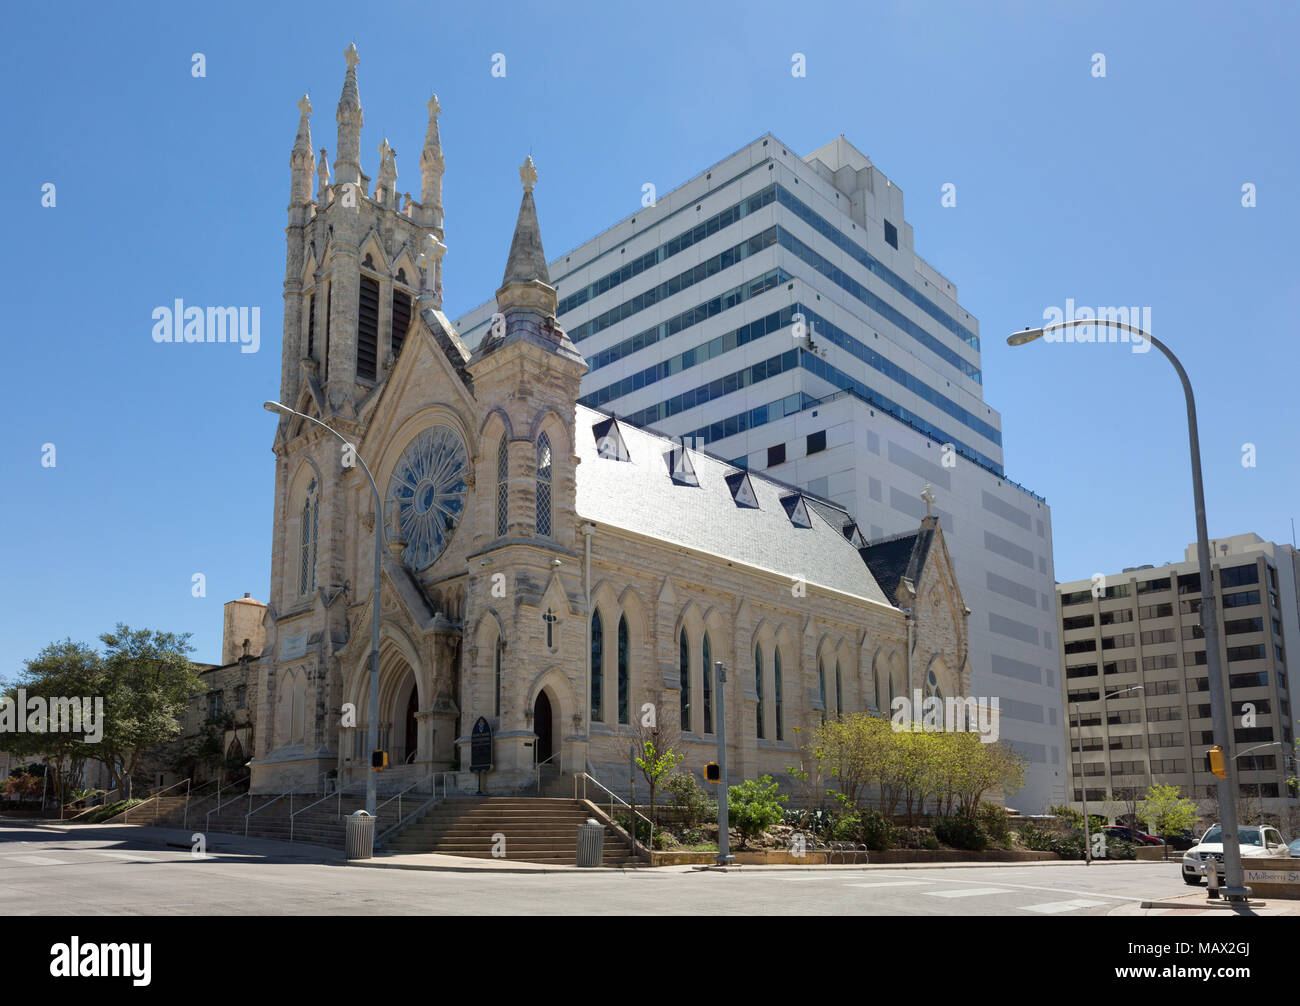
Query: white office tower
point(773, 309)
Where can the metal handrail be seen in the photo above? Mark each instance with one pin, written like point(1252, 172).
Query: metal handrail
point(207, 821)
point(336, 795)
point(268, 803)
point(584, 776)
point(560, 765)
point(154, 799)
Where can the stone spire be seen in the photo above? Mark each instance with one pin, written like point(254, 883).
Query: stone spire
point(301, 167)
point(385, 194)
point(431, 165)
point(347, 158)
point(322, 178)
point(527, 282)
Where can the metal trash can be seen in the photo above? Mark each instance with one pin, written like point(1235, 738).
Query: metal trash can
point(360, 841)
point(591, 843)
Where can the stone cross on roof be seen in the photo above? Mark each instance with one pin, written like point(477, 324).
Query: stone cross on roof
point(528, 174)
point(927, 494)
point(433, 106)
point(304, 106)
point(350, 54)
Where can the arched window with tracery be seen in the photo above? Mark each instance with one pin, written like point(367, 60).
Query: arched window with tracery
point(684, 679)
point(597, 667)
point(624, 670)
point(758, 687)
point(707, 671)
point(544, 475)
point(503, 487)
point(777, 695)
point(310, 535)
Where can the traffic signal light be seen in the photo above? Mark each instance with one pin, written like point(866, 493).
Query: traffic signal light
point(379, 759)
point(1214, 762)
point(712, 773)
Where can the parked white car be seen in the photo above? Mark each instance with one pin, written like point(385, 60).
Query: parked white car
point(1256, 840)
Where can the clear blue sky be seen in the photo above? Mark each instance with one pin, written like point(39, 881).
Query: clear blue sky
point(1122, 190)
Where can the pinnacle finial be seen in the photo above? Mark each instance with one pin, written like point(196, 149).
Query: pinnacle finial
point(927, 494)
point(304, 105)
point(528, 174)
point(433, 106)
point(350, 54)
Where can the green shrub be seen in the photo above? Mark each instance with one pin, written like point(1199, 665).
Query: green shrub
point(878, 832)
point(847, 828)
point(1036, 839)
point(993, 819)
point(961, 831)
point(687, 794)
point(928, 841)
point(103, 813)
point(754, 805)
point(1119, 848)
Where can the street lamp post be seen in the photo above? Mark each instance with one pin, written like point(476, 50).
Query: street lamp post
point(1083, 781)
point(1259, 784)
point(1235, 889)
point(372, 725)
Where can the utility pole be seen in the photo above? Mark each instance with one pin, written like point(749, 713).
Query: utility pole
point(724, 836)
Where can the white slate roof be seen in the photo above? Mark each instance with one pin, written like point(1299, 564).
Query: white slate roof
point(639, 495)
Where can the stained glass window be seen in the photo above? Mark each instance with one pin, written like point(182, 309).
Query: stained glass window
point(428, 488)
point(503, 475)
point(776, 695)
point(684, 658)
point(544, 485)
point(758, 687)
point(624, 676)
point(597, 666)
point(310, 534)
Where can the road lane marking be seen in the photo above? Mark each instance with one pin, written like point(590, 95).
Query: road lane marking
point(38, 860)
point(969, 892)
point(133, 857)
point(896, 883)
point(1054, 907)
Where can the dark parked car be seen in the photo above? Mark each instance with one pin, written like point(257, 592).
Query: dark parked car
point(1131, 835)
point(1181, 841)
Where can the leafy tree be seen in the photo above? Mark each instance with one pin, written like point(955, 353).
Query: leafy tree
point(657, 759)
point(147, 680)
point(1168, 810)
point(754, 805)
point(61, 671)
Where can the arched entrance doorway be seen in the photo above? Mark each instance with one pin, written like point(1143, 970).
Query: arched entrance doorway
point(543, 727)
point(411, 730)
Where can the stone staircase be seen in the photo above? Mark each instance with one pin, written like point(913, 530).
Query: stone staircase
point(319, 825)
point(154, 811)
point(536, 830)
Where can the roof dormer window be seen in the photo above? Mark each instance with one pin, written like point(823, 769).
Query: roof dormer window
point(742, 490)
point(609, 441)
point(797, 510)
point(680, 467)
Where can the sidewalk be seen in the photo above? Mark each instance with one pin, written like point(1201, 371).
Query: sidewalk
point(1197, 903)
point(218, 843)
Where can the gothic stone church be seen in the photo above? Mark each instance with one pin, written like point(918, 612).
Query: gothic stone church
point(547, 567)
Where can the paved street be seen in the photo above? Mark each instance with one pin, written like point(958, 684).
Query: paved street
point(48, 870)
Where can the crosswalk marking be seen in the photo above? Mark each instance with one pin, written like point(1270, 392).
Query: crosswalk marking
point(38, 860)
point(1053, 907)
point(969, 892)
point(132, 856)
point(895, 883)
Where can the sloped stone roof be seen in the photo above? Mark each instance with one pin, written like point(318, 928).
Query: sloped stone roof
point(639, 495)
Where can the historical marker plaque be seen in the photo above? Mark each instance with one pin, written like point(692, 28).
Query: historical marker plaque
point(480, 747)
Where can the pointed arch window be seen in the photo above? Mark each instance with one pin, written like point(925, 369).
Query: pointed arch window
point(707, 670)
point(503, 488)
point(776, 695)
point(597, 666)
point(544, 474)
point(310, 534)
point(839, 690)
point(624, 676)
point(821, 687)
point(758, 687)
point(684, 679)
